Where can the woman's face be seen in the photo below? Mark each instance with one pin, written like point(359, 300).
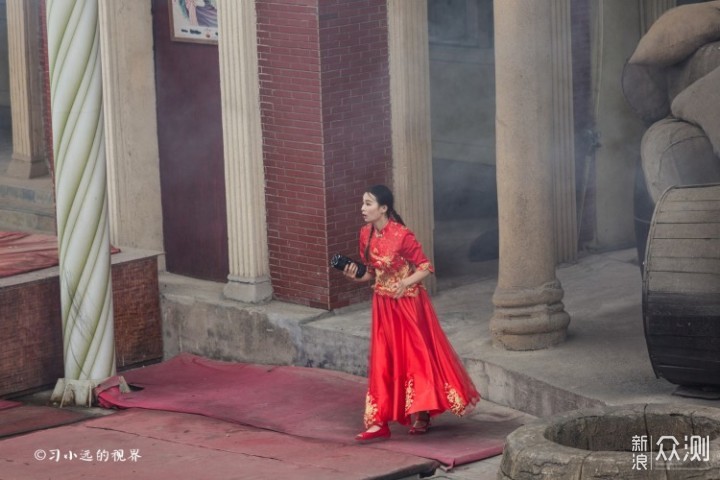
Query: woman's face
point(371, 209)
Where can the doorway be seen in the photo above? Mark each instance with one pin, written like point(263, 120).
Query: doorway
point(462, 95)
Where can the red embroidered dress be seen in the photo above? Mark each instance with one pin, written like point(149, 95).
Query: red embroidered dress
point(413, 367)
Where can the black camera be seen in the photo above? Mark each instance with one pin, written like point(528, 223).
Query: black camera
point(340, 261)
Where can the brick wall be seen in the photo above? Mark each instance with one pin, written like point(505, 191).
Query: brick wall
point(31, 337)
point(325, 105)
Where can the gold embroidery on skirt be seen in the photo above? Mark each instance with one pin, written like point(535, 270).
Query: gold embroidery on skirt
point(371, 411)
point(457, 405)
point(409, 394)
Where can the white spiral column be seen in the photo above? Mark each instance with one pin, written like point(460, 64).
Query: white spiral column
point(80, 184)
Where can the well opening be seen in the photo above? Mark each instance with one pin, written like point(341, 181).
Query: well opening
point(615, 432)
point(609, 443)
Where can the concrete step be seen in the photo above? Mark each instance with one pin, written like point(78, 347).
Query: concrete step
point(279, 333)
point(27, 204)
point(604, 361)
point(26, 215)
point(36, 190)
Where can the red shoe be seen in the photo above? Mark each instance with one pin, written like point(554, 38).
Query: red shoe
point(421, 425)
point(383, 432)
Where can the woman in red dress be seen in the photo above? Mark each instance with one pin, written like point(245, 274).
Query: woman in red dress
point(414, 372)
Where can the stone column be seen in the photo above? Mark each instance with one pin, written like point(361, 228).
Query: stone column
point(131, 139)
point(28, 157)
point(528, 313)
point(249, 278)
point(410, 118)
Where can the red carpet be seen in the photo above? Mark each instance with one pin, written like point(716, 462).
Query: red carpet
point(306, 402)
point(22, 252)
point(175, 445)
point(8, 404)
point(26, 418)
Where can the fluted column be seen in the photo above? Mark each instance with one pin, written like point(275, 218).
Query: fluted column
point(80, 187)
point(130, 124)
point(528, 313)
point(28, 157)
point(410, 118)
point(249, 279)
point(566, 230)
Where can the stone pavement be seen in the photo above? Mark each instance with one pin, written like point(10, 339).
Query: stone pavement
point(603, 361)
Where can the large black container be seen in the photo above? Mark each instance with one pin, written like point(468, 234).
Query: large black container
point(681, 286)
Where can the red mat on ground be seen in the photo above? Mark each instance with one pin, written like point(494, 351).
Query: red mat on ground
point(306, 402)
point(27, 418)
point(22, 252)
point(174, 445)
point(8, 404)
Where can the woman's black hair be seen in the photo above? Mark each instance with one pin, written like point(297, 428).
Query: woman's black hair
point(384, 196)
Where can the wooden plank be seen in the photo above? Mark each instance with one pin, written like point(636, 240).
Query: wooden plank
point(687, 326)
point(700, 347)
point(680, 282)
point(682, 310)
point(687, 265)
point(683, 358)
point(687, 217)
point(687, 230)
point(712, 206)
point(688, 375)
point(680, 298)
point(703, 192)
point(688, 247)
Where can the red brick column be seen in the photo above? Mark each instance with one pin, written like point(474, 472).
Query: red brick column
point(325, 102)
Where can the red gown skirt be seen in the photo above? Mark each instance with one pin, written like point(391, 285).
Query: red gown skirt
point(413, 368)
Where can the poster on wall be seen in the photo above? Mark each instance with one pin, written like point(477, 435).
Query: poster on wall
point(193, 21)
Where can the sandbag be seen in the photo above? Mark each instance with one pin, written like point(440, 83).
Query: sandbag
point(678, 33)
point(645, 90)
point(703, 61)
point(675, 152)
point(699, 104)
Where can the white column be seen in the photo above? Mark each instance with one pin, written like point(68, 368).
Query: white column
point(126, 41)
point(528, 313)
point(80, 187)
point(28, 157)
point(410, 118)
point(249, 278)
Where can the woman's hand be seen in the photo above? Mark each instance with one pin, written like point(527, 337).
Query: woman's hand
point(406, 283)
point(400, 288)
point(350, 271)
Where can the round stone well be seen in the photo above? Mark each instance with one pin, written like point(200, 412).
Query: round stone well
point(606, 443)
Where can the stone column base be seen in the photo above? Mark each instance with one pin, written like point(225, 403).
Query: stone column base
point(529, 318)
point(24, 167)
point(248, 290)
